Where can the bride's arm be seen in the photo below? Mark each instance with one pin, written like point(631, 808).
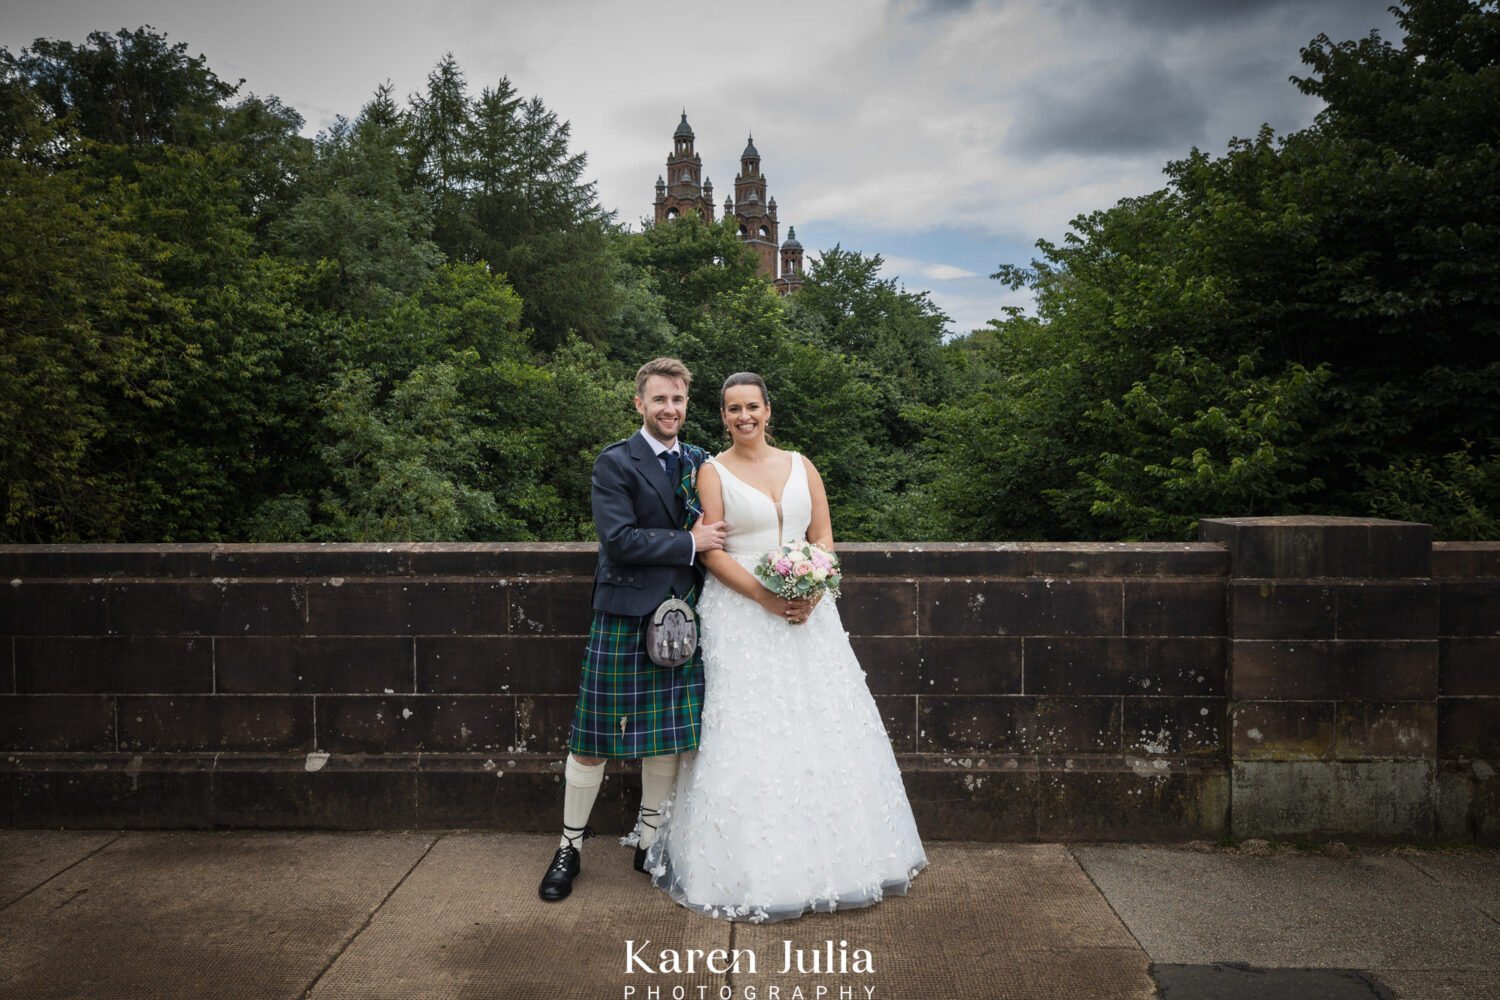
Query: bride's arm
point(720, 563)
point(820, 528)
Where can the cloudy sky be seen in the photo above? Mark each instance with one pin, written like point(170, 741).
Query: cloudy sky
point(945, 135)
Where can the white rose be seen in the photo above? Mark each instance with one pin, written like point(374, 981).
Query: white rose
point(819, 574)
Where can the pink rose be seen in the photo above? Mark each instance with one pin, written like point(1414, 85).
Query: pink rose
point(783, 566)
point(802, 568)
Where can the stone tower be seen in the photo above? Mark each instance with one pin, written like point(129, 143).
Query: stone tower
point(681, 192)
point(791, 264)
point(685, 189)
point(755, 212)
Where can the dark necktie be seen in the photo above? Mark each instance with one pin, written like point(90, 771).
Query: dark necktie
point(673, 469)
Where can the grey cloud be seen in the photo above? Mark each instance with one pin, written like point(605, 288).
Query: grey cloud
point(1116, 108)
point(1339, 18)
point(930, 8)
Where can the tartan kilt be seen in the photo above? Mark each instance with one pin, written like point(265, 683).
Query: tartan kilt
point(629, 707)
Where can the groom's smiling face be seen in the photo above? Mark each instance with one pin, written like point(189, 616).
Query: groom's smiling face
point(663, 407)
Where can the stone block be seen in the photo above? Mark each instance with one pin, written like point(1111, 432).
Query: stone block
point(899, 715)
point(342, 560)
point(996, 801)
point(1465, 559)
point(976, 724)
point(1284, 668)
point(1282, 730)
point(1310, 669)
point(114, 664)
point(1130, 799)
point(1175, 607)
point(1469, 667)
point(313, 664)
point(1309, 546)
point(114, 791)
point(970, 665)
point(1021, 607)
point(409, 607)
point(1365, 799)
point(87, 562)
point(1388, 671)
point(892, 664)
point(1123, 666)
point(1077, 725)
point(203, 607)
point(1453, 801)
point(1469, 727)
point(548, 607)
point(1175, 727)
point(520, 795)
point(544, 722)
point(865, 560)
point(879, 607)
point(1394, 730)
point(223, 722)
point(1370, 610)
point(49, 607)
point(416, 722)
point(511, 664)
point(316, 793)
point(1274, 609)
point(1469, 608)
point(57, 722)
point(1110, 559)
point(510, 559)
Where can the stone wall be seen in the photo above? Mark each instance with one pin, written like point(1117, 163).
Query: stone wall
point(1285, 676)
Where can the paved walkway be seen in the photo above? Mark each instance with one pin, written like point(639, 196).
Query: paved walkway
point(455, 914)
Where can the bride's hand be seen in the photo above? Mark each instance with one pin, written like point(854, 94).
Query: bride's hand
point(791, 612)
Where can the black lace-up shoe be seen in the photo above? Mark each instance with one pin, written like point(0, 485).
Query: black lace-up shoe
point(565, 867)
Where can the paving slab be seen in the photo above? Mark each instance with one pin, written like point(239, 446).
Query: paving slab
point(1440, 984)
point(196, 915)
point(1475, 875)
point(468, 923)
point(34, 856)
point(1381, 914)
point(998, 921)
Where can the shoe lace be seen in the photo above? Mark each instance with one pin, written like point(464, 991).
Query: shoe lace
point(644, 812)
point(582, 833)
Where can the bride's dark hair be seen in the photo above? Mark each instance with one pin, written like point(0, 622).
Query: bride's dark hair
point(745, 378)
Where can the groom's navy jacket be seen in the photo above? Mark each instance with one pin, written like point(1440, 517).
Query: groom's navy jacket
point(644, 553)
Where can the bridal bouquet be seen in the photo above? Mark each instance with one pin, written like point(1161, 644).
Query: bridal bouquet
point(800, 569)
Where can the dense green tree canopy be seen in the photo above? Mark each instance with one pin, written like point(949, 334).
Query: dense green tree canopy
point(422, 325)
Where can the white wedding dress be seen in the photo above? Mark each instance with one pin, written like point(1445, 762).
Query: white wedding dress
point(793, 801)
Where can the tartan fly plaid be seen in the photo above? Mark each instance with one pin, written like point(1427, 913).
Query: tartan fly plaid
point(628, 707)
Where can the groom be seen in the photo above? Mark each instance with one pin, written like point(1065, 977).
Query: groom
point(650, 534)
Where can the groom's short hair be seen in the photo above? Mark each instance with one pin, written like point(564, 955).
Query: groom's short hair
point(670, 367)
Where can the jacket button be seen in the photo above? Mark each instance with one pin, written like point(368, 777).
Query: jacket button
point(630, 579)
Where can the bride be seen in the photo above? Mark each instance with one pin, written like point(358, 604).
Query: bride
point(793, 801)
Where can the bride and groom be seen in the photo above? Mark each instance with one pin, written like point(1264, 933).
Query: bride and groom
point(768, 784)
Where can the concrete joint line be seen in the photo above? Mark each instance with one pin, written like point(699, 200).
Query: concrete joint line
point(1110, 903)
point(9, 903)
point(369, 919)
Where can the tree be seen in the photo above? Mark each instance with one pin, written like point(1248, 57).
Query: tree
point(1339, 280)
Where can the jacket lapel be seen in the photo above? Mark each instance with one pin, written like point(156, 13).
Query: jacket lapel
point(650, 467)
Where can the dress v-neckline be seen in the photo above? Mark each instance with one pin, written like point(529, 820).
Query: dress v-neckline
point(774, 502)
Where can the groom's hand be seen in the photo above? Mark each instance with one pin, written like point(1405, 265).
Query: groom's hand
point(708, 537)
